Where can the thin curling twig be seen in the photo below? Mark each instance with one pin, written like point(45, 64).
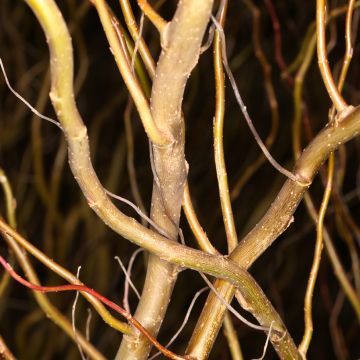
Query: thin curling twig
point(278, 42)
point(348, 51)
point(335, 95)
point(25, 101)
point(73, 320)
point(339, 271)
point(44, 303)
point(232, 338)
point(271, 98)
point(349, 44)
point(155, 135)
point(65, 274)
point(134, 32)
point(196, 228)
point(249, 122)
point(10, 215)
point(303, 347)
point(95, 294)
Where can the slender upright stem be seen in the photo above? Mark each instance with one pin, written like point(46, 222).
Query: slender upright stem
point(196, 228)
point(336, 97)
point(180, 51)
point(220, 165)
point(134, 32)
point(303, 347)
point(155, 135)
point(232, 338)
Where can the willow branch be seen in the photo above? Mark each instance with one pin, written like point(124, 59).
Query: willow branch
point(220, 165)
point(181, 44)
point(326, 74)
point(232, 338)
point(153, 16)
point(92, 292)
point(154, 133)
point(134, 32)
point(274, 222)
point(297, 146)
point(46, 306)
point(271, 97)
point(305, 342)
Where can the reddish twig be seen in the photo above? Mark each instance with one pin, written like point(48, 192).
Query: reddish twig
point(278, 42)
point(100, 297)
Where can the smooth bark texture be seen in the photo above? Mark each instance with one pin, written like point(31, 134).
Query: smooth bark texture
point(181, 42)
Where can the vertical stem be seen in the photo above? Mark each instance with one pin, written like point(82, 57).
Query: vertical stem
point(232, 338)
point(133, 29)
point(181, 42)
point(326, 74)
point(303, 347)
point(140, 100)
point(196, 228)
point(220, 165)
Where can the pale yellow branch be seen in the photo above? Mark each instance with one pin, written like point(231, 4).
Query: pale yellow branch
point(303, 347)
point(336, 97)
point(155, 135)
point(219, 156)
point(152, 15)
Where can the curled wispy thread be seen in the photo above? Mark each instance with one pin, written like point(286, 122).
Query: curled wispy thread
point(136, 47)
point(128, 271)
point(244, 111)
point(128, 279)
point(266, 342)
point(25, 101)
point(128, 202)
point(73, 309)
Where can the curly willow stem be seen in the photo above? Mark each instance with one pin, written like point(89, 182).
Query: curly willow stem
point(303, 347)
point(44, 303)
point(95, 294)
